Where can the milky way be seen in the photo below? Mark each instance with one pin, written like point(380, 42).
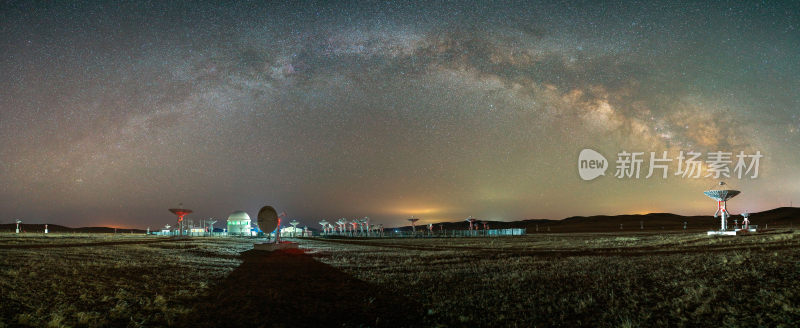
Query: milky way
point(112, 113)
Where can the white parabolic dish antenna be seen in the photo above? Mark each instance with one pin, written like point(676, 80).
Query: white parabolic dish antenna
point(720, 194)
point(267, 219)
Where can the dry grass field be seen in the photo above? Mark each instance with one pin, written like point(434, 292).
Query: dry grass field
point(541, 280)
point(102, 280)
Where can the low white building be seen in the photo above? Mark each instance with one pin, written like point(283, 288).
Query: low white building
point(239, 224)
point(291, 232)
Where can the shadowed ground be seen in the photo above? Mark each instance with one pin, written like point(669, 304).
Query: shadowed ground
point(291, 289)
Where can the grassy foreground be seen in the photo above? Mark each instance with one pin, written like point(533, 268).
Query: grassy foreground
point(102, 280)
point(600, 280)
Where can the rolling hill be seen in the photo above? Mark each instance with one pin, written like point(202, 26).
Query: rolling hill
point(782, 217)
point(55, 228)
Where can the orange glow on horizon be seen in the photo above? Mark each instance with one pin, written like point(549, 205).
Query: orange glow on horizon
point(416, 211)
point(107, 224)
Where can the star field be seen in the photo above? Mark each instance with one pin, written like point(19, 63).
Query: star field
point(112, 113)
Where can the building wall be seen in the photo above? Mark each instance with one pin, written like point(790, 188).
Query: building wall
point(239, 227)
point(291, 231)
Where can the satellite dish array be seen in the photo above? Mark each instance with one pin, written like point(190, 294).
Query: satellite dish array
point(354, 227)
point(269, 220)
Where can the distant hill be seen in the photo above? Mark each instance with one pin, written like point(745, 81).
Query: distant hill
point(782, 217)
point(54, 228)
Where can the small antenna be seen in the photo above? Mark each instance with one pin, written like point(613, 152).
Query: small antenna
point(294, 224)
point(324, 225)
point(363, 225)
point(471, 221)
point(211, 222)
point(413, 225)
point(342, 223)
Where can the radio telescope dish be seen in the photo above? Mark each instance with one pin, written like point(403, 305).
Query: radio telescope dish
point(267, 219)
point(180, 213)
point(721, 195)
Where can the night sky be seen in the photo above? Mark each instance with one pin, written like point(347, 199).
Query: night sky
point(112, 113)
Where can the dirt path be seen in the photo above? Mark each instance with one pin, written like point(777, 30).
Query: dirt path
point(292, 289)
